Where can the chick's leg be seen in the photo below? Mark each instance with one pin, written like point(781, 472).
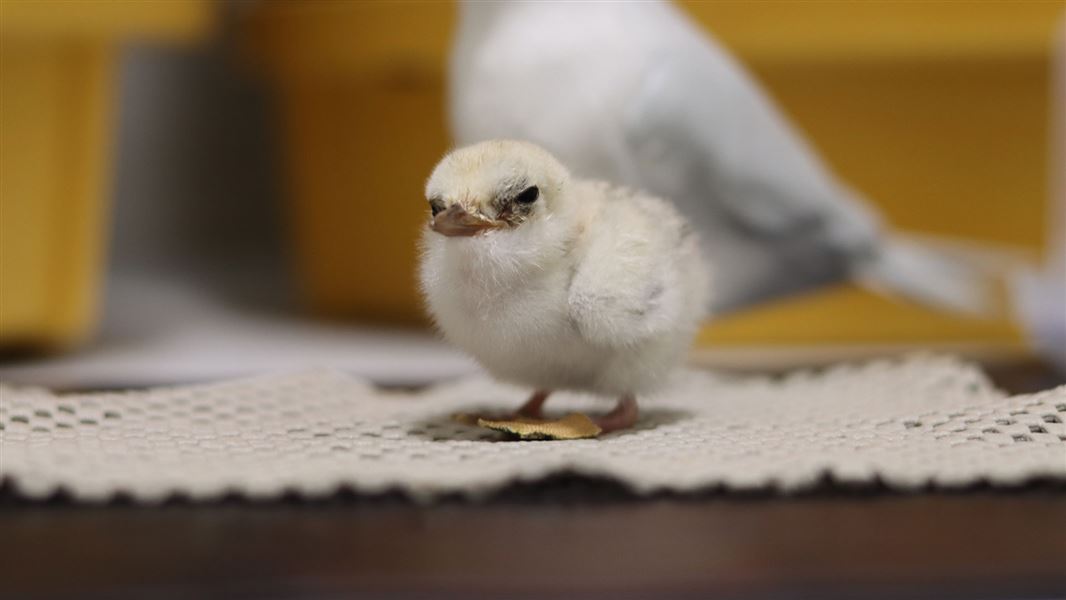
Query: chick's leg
point(623, 416)
point(532, 407)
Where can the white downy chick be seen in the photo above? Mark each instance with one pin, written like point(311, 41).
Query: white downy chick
point(557, 283)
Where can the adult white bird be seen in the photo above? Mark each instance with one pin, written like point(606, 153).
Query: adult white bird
point(634, 93)
point(559, 283)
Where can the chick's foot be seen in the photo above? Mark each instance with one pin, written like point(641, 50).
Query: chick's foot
point(534, 407)
point(623, 416)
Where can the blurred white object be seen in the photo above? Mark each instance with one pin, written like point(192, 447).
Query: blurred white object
point(1040, 295)
point(634, 93)
point(1040, 301)
point(160, 331)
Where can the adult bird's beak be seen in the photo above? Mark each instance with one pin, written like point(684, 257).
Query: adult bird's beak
point(458, 222)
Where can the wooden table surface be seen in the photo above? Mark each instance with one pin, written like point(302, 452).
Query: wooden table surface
point(582, 541)
point(568, 537)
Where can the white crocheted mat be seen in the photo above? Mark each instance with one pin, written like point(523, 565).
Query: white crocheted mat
point(906, 424)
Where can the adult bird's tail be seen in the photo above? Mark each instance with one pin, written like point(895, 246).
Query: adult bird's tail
point(960, 281)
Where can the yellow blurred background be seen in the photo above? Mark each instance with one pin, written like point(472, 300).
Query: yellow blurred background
point(937, 111)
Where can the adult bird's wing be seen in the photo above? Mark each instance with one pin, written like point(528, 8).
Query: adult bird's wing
point(699, 132)
point(770, 214)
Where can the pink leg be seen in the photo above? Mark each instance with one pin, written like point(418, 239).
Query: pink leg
point(623, 416)
point(532, 407)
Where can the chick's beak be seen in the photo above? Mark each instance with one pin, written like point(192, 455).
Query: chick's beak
point(456, 221)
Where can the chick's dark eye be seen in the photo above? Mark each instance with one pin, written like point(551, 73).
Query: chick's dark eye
point(436, 205)
point(528, 195)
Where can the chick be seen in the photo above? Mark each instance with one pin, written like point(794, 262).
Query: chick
point(558, 283)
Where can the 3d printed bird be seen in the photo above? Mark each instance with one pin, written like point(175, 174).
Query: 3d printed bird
point(634, 93)
point(559, 283)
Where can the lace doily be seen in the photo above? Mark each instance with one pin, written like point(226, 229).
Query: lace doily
point(906, 424)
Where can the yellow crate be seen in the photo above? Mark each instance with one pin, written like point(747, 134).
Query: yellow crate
point(362, 91)
point(57, 88)
point(937, 110)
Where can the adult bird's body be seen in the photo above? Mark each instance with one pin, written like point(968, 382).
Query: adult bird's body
point(559, 283)
point(634, 93)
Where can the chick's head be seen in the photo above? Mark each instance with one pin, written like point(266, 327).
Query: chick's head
point(494, 186)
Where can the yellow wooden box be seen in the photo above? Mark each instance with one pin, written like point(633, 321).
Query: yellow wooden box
point(57, 89)
point(937, 110)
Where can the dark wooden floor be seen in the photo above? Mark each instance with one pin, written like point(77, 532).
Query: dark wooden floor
point(566, 538)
